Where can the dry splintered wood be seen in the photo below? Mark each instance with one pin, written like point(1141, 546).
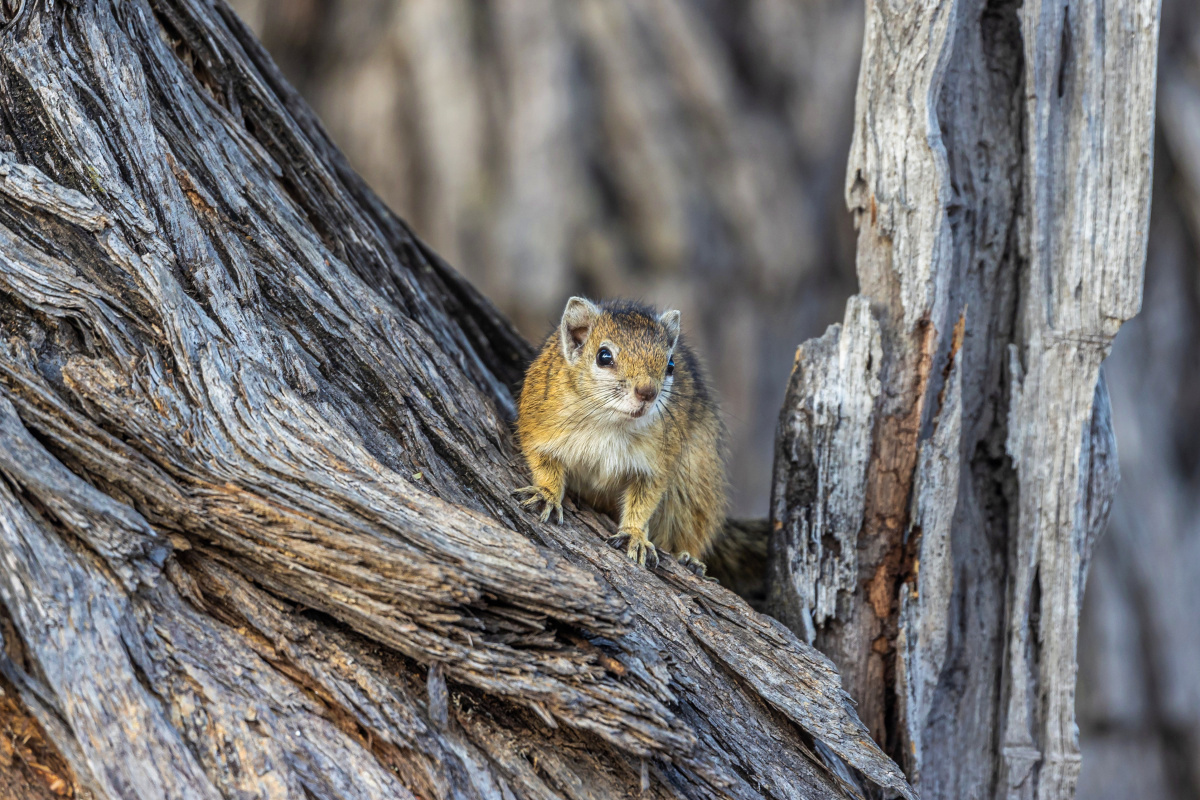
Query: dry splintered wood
point(257, 536)
point(946, 457)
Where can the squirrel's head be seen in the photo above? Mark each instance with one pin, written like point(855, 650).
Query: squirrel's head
point(621, 356)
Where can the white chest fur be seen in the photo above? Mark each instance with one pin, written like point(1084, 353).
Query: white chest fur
point(604, 458)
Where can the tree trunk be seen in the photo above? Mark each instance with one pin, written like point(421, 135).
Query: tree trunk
point(256, 531)
point(946, 457)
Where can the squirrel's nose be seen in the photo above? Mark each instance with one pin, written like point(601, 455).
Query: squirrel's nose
point(646, 392)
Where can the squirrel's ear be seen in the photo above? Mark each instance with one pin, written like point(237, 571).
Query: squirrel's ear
point(577, 321)
point(670, 321)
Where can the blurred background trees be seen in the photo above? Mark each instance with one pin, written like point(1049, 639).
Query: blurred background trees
point(693, 153)
point(1139, 643)
point(690, 154)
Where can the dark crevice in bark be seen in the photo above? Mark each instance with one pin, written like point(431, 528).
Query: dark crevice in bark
point(29, 130)
point(1064, 52)
point(193, 60)
point(31, 768)
point(984, 160)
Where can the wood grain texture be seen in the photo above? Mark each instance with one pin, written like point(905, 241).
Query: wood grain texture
point(257, 536)
point(824, 449)
point(1000, 179)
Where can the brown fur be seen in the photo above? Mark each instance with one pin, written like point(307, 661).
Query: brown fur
point(661, 472)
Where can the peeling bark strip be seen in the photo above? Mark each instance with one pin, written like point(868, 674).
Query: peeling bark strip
point(828, 413)
point(1000, 179)
point(256, 531)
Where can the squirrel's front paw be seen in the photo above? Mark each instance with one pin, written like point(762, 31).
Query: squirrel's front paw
point(635, 544)
point(540, 494)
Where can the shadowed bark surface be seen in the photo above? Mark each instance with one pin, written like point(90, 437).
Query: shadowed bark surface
point(30, 766)
point(256, 531)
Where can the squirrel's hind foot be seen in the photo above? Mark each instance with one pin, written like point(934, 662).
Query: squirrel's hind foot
point(693, 565)
point(637, 547)
point(543, 495)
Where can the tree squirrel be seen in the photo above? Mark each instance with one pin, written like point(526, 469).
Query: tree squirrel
point(615, 408)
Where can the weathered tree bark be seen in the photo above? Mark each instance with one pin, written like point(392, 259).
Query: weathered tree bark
point(946, 457)
point(256, 531)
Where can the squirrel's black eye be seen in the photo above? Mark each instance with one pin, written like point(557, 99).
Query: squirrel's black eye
point(671, 366)
point(604, 358)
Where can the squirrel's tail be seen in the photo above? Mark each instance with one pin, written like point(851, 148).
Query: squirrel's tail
point(739, 559)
